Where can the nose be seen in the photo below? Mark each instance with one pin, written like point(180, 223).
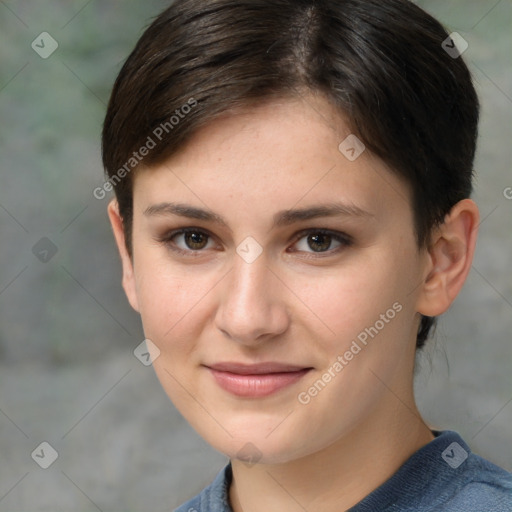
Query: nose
point(252, 307)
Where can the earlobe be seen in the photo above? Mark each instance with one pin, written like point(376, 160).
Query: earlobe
point(449, 258)
point(129, 285)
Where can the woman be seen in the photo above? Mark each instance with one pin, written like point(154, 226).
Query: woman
point(292, 211)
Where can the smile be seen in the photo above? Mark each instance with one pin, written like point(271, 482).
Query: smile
point(256, 381)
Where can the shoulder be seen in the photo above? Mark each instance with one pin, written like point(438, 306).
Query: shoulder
point(443, 476)
point(464, 481)
point(213, 498)
point(479, 485)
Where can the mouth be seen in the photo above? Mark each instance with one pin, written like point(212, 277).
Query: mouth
point(256, 380)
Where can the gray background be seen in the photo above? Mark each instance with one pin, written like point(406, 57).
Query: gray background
point(68, 375)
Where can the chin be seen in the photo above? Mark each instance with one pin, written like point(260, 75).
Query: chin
point(264, 441)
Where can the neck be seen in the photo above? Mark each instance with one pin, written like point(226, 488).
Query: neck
point(339, 476)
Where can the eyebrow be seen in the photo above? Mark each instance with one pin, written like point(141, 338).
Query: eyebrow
point(281, 218)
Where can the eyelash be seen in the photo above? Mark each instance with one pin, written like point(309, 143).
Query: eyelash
point(344, 239)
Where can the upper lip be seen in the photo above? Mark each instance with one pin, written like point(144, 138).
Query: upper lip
point(256, 369)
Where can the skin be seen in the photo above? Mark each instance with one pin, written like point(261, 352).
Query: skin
point(294, 304)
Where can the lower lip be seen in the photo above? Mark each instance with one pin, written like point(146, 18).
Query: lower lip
point(256, 386)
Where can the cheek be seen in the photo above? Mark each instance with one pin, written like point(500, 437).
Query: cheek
point(351, 299)
point(170, 302)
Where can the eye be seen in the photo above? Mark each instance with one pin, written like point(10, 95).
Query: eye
point(193, 241)
point(320, 240)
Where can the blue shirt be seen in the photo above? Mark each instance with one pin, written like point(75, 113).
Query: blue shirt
point(442, 476)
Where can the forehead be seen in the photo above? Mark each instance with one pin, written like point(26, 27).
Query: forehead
point(278, 155)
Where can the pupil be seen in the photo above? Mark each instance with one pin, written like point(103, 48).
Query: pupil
point(320, 236)
point(193, 239)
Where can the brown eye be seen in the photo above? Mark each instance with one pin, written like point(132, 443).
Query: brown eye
point(195, 240)
point(320, 241)
point(187, 241)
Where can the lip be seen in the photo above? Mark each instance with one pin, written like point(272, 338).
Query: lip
point(256, 380)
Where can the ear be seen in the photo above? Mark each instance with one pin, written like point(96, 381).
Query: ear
point(128, 274)
point(449, 258)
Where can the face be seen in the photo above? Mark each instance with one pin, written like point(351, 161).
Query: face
point(280, 293)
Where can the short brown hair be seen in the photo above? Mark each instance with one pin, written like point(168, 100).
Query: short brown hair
point(380, 63)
